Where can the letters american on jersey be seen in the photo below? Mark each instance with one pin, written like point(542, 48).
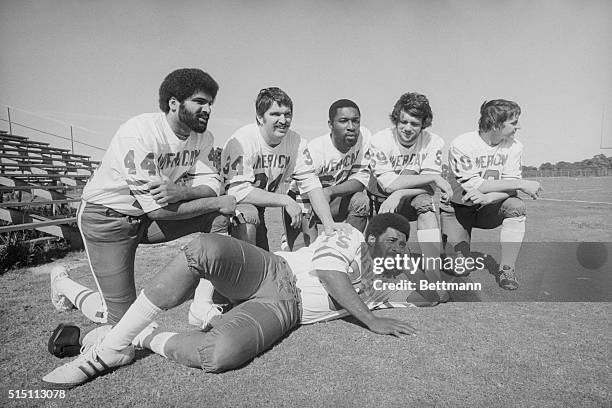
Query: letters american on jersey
point(143, 150)
point(389, 157)
point(248, 162)
point(472, 161)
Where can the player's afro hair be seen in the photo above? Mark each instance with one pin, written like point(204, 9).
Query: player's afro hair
point(379, 224)
point(494, 113)
point(184, 82)
point(414, 104)
point(268, 96)
point(339, 104)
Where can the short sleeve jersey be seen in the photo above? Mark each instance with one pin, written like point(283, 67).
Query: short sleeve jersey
point(248, 162)
point(143, 150)
point(472, 161)
point(423, 157)
point(333, 167)
point(340, 252)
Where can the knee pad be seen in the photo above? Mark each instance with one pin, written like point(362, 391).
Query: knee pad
point(220, 224)
point(359, 205)
point(513, 207)
point(423, 203)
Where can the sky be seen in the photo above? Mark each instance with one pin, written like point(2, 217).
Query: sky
point(94, 64)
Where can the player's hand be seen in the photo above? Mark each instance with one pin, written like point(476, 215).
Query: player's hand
point(531, 188)
point(390, 204)
point(330, 229)
point(227, 204)
point(477, 197)
point(165, 191)
point(294, 211)
point(394, 327)
point(447, 190)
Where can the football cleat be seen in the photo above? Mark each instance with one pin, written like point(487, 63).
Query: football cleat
point(203, 320)
point(60, 302)
point(93, 362)
point(443, 295)
point(507, 278)
point(64, 341)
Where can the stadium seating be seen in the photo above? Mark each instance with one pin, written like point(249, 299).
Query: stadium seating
point(40, 189)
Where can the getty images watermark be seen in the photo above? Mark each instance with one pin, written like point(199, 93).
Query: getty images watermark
point(409, 265)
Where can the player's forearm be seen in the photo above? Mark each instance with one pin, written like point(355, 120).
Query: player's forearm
point(346, 188)
point(320, 206)
point(339, 287)
point(263, 198)
point(412, 192)
point(191, 193)
point(186, 209)
point(411, 181)
point(495, 186)
point(498, 196)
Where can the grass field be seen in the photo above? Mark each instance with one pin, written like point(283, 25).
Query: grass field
point(496, 351)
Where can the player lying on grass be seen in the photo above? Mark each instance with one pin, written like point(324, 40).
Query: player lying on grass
point(271, 294)
point(486, 165)
point(157, 182)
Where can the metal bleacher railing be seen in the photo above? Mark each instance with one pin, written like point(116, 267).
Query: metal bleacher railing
point(40, 185)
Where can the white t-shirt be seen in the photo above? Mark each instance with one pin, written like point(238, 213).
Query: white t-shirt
point(145, 149)
point(333, 167)
point(472, 161)
point(248, 162)
point(338, 252)
point(423, 157)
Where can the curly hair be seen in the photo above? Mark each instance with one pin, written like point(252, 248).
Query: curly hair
point(268, 96)
point(494, 113)
point(184, 82)
point(414, 104)
point(379, 224)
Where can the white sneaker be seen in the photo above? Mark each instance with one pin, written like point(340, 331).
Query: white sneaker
point(138, 341)
point(204, 317)
point(92, 362)
point(60, 302)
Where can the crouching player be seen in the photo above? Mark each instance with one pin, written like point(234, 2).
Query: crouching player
point(272, 294)
point(486, 165)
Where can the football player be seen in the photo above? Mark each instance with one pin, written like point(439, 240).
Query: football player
point(410, 148)
point(258, 162)
point(486, 169)
point(271, 293)
point(341, 165)
point(156, 183)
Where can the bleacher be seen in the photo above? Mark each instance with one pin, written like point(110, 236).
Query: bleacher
point(40, 189)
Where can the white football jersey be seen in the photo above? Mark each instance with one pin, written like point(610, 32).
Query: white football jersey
point(143, 150)
point(423, 157)
point(333, 167)
point(338, 252)
point(248, 162)
point(472, 161)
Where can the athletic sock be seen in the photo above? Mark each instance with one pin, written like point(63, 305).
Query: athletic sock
point(511, 237)
point(202, 299)
point(138, 316)
point(156, 341)
point(430, 242)
point(90, 303)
